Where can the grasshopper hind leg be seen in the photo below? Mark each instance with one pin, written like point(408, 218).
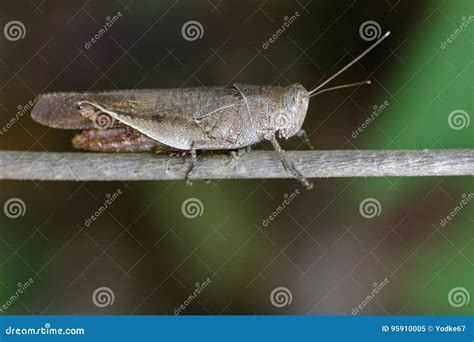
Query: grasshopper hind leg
point(119, 139)
point(169, 151)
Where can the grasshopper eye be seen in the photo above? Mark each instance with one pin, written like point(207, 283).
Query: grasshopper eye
point(295, 105)
point(295, 98)
point(290, 101)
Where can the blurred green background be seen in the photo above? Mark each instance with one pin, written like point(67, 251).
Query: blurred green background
point(322, 248)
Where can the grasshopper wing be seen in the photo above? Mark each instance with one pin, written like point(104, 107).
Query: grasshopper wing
point(180, 127)
point(59, 110)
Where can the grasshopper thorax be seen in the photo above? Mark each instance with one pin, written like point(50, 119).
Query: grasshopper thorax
point(289, 119)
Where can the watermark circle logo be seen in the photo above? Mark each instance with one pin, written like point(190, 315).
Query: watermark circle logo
point(192, 30)
point(459, 119)
point(192, 208)
point(14, 30)
point(281, 297)
point(103, 121)
point(14, 208)
point(370, 207)
point(103, 296)
point(280, 119)
point(370, 30)
point(458, 296)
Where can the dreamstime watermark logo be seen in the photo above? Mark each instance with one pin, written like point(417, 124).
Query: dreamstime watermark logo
point(283, 116)
point(192, 208)
point(280, 119)
point(192, 30)
point(14, 30)
point(47, 329)
point(21, 288)
point(100, 119)
point(110, 198)
point(459, 119)
point(370, 207)
point(103, 121)
point(14, 208)
point(377, 110)
point(370, 30)
point(287, 22)
point(199, 288)
point(465, 22)
point(458, 296)
point(462, 204)
point(109, 22)
point(287, 199)
point(103, 296)
point(281, 297)
point(377, 287)
point(22, 110)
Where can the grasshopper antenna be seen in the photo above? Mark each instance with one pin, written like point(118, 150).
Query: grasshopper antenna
point(355, 60)
point(349, 85)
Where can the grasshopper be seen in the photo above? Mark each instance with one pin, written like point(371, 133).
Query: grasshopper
point(186, 119)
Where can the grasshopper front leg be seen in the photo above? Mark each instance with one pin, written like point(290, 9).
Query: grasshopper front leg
point(288, 165)
point(304, 136)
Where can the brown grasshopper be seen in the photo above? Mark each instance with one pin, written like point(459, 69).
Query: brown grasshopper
point(185, 119)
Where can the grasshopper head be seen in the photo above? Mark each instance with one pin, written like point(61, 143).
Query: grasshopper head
point(290, 118)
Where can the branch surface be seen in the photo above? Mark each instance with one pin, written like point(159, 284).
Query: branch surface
point(255, 164)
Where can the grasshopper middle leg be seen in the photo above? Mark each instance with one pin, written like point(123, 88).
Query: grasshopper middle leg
point(204, 145)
